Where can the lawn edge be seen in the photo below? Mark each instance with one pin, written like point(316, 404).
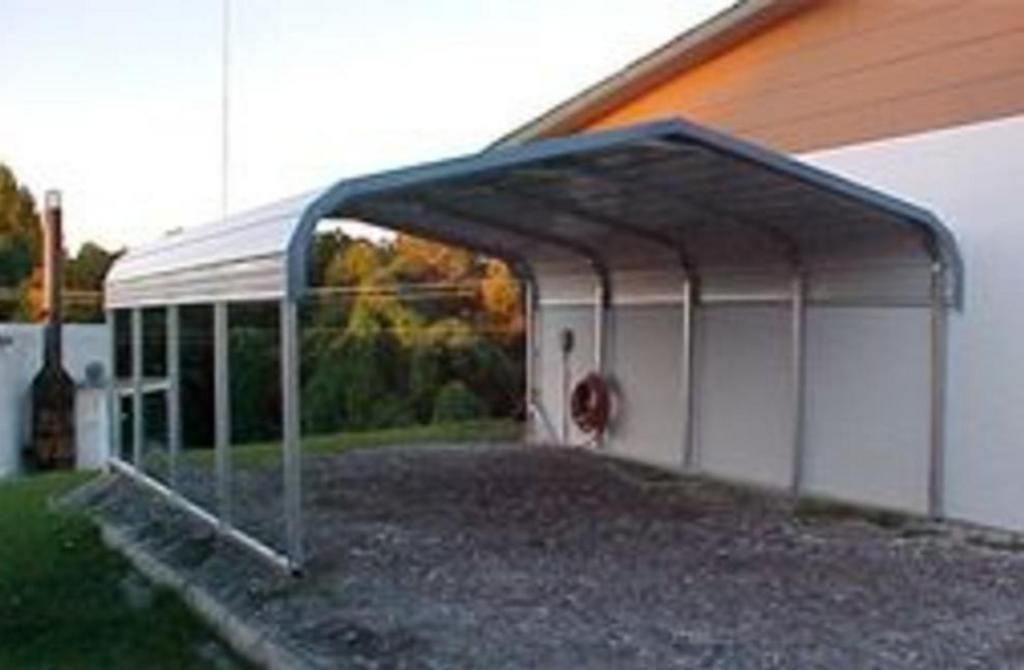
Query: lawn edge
point(251, 642)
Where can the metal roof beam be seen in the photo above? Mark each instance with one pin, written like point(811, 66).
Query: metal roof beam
point(784, 244)
point(938, 241)
point(603, 220)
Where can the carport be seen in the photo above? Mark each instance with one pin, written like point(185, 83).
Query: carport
point(667, 213)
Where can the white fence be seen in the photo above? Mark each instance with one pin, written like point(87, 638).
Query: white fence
point(21, 355)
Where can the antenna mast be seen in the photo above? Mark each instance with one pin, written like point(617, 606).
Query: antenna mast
point(225, 86)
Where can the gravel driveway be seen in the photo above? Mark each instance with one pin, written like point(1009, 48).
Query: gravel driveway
point(511, 557)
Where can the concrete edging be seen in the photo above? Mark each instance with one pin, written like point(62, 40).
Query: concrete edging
point(248, 641)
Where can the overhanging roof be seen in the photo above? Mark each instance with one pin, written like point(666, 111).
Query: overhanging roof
point(662, 194)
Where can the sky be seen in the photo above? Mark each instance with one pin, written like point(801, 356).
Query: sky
point(118, 103)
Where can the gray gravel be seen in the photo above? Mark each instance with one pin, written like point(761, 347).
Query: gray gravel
point(510, 557)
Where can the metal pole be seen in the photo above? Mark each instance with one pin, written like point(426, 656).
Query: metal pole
point(529, 359)
point(565, 395)
point(601, 299)
point(292, 435)
point(222, 410)
point(138, 424)
point(53, 278)
point(113, 397)
point(686, 375)
point(938, 344)
point(173, 395)
point(799, 360)
point(599, 327)
point(225, 108)
point(238, 537)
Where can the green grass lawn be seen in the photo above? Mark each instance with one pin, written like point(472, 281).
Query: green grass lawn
point(68, 602)
point(263, 454)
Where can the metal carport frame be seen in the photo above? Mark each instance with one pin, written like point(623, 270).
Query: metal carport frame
point(669, 196)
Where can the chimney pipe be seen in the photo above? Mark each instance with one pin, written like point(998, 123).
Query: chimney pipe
point(53, 391)
point(53, 277)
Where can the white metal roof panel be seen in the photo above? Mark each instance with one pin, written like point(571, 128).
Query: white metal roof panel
point(241, 258)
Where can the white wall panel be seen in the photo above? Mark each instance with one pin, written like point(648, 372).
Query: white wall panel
point(744, 395)
point(646, 365)
point(867, 411)
point(21, 349)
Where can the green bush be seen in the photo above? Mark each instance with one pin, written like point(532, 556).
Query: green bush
point(347, 386)
point(392, 411)
point(255, 384)
point(491, 374)
point(426, 376)
point(323, 396)
point(455, 402)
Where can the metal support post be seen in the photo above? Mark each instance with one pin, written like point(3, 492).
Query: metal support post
point(222, 411)
point(138, 423)
point(113, 397)
point(601, 300)
point(599, 328)
point(530, 362)
point(686, 376)
point(799, 374)
point(173, 394)
point(238, 537)
point(937, 346)
point(292, 438)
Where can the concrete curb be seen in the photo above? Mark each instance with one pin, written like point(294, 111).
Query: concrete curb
point(253, 643)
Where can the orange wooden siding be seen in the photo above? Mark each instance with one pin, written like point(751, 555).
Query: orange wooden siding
point(845, 71)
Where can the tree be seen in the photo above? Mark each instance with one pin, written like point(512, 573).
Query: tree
point(501, 301)
point(83, 280)
point(421, 260)
point(431, 333)
point(255, 392)
point(359, 262)
point(326, 246)
point(21, 277)
point(20, 240)
point(87, 270)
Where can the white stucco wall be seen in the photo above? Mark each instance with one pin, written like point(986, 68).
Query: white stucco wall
point(971, 177)
point(20, 359)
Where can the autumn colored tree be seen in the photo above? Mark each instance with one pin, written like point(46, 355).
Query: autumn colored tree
point(362, 262)
point(20, 242)
point(417, 259)
point(418, 332)
point(21, 277)
point(501, 300)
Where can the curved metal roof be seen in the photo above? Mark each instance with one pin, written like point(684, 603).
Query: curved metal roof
point(664, 194)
